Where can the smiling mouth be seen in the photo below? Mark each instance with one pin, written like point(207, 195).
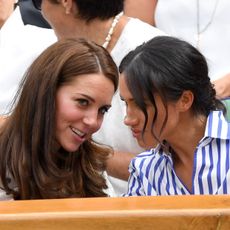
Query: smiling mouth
point(78, 132)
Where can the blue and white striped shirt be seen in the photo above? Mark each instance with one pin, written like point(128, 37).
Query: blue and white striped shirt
point(152, 173)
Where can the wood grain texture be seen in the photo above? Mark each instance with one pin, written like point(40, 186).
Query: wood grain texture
point(165, 212)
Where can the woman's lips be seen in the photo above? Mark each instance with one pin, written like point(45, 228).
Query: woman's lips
point(136, 133)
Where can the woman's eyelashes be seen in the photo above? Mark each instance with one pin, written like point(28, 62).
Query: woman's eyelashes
point(104, 109)
point(123, 100)
point(82, 102)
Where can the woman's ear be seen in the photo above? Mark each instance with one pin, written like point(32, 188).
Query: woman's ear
point(186, 100)
point(67, 4)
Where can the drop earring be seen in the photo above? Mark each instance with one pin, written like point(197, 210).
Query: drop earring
point(66, 6)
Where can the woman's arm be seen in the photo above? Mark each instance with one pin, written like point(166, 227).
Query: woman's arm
point(118, 164)
point(222, 86)
point(142, 9)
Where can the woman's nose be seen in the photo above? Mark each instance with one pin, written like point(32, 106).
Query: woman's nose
point(130, 119)
point(91, 119)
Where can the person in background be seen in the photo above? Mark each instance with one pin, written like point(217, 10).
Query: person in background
point(6, 10)
point(103, 22)
point(171, 101)
point(19, 45)
point(46, 146)
point(142, 9)
point(204, 24)
point(30, 15)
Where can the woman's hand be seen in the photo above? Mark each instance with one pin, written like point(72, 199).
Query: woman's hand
point(222, 86)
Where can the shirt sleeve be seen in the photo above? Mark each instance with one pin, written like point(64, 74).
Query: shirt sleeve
point(135, 185)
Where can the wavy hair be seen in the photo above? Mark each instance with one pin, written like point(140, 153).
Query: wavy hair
point(26, 138)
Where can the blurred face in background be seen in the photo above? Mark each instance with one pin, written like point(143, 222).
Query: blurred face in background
point(6, 9)
point(59, 17)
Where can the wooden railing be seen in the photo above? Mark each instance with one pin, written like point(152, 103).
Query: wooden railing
point(165, 212)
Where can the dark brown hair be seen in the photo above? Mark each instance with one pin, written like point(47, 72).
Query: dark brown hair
point(27, 136)
point(95, 9)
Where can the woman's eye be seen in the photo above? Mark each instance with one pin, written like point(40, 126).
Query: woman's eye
point(123, 100)
point(82, 102)
point(104, 110)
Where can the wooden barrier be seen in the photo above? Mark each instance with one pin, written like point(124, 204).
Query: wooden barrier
point(165, 212)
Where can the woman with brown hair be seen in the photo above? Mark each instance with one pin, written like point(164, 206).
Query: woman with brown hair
point(46, 150)
point(103, 22)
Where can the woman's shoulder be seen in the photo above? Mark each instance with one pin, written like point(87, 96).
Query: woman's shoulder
point(151, 156)
point(136, 26)
point(134, 33)
point(146, 156)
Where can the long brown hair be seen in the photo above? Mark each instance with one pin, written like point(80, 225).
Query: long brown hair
point(27, 136)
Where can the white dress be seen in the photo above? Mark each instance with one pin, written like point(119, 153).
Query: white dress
point(113, 131)
point(19, 45)
point(179, 18)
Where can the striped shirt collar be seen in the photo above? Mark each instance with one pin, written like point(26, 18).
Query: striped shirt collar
point(216, 127)
point(152, 173)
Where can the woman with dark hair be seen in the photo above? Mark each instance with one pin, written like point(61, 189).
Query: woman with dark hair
point(171, 101)
point(46, 150)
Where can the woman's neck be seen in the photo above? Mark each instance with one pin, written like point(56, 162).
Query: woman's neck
point(95, 30)
point(184, 144)
point(187, 137)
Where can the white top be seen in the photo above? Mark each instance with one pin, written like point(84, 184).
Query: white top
point(19, 45)
point(114, 132)
point(179, 18)
point(3, 196)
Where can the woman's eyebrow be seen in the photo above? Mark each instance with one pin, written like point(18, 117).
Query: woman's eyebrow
point(86, 96)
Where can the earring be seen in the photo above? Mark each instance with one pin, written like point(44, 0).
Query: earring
point(15, 3)
point(66, 6)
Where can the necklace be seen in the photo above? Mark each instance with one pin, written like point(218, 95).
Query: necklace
point(199, 30)
point(110, 33)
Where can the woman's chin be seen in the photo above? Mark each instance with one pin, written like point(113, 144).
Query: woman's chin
point(147, 144)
